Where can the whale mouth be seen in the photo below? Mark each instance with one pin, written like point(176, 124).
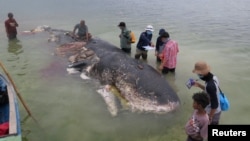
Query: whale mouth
point(78, 64)
point(83, 61)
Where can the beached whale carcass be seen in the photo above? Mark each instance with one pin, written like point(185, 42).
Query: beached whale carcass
point(139, 84)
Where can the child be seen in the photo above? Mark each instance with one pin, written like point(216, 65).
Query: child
point(197, 126)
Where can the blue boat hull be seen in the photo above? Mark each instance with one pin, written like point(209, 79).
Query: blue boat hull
point(9, 113)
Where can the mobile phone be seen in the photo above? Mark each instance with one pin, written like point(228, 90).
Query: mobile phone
point(190, 83)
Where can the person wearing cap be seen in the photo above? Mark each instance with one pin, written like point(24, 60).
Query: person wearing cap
point(144, 40)
point(202, 69)
point(159, 45)
point(125, 43)
point(11, 27)
point(169, 54)
point(82, 31)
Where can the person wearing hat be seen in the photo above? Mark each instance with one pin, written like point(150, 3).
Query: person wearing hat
point(10, 27)
point(169, 54)
point(202, 69)
point(125, 43)
point(144, 40)
point(159, 45)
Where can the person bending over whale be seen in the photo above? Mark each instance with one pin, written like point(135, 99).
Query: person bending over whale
point(82, 31)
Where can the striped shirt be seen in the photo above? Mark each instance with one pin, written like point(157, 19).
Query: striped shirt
point(170, 54)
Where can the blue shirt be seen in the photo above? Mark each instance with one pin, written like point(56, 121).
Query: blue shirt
point(144, 40)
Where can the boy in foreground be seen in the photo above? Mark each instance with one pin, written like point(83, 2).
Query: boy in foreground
point(197, 126)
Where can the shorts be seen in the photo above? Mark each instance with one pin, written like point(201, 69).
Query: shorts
point(158, 59)
point(81, 37)
point(216, 119)
point(12, 36)
point(141, 53)
point(165, 70)
point(189, 138)
point(127, 50)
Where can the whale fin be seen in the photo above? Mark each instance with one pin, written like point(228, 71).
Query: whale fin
point(109, 99)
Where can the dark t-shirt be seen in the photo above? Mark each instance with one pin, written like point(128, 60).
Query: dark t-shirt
point(10, 26)
point(159, 43)
point(82, 30)
point(144, 40)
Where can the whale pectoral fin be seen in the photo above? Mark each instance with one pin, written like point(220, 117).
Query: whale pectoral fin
point(109, 99)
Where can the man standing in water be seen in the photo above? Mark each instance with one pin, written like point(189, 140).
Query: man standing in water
point(82, 33)
point(125, 43)
point(144, 40)
point(10, 26)
point(203, 71)
point(159, 45)
point(169, 54)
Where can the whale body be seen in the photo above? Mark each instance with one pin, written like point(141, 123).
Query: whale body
point(139, 84)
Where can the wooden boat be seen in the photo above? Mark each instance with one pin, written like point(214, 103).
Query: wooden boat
point(10, 127)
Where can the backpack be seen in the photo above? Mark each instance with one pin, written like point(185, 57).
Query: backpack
point(224, 102)
point(132, 37)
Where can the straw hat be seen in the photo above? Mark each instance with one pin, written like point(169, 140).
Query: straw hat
point(201, 67)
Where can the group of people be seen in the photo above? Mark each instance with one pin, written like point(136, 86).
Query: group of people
point(205, 103)
point(166, 49)
point(80, 31)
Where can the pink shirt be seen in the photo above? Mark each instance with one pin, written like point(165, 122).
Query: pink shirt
point(170, 54)
point(197, 126)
